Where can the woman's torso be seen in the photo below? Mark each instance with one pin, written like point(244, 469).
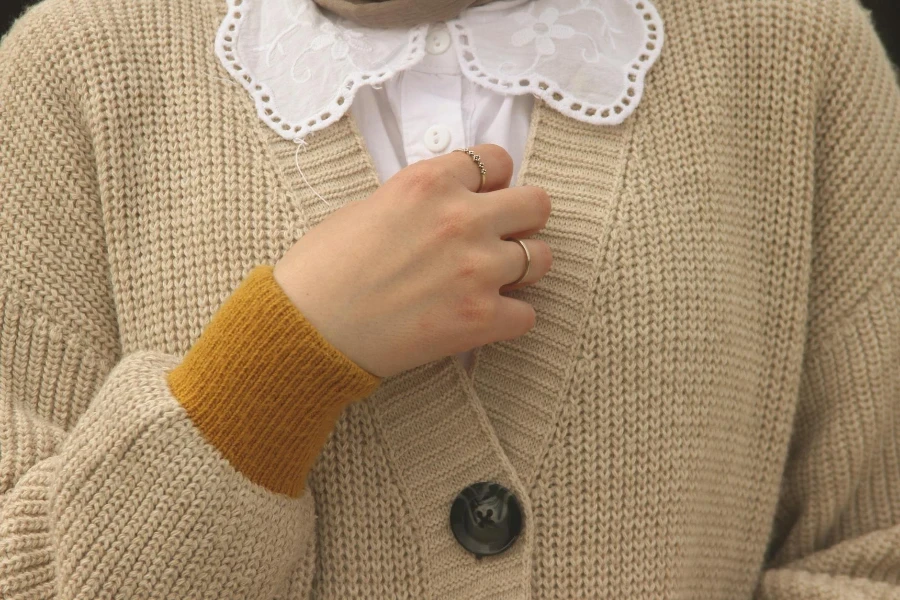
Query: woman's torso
point(643, 423)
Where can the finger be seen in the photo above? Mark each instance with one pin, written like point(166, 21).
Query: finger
point(514, 319)
point(517, 211)
point(511, 262)
point(497, 163)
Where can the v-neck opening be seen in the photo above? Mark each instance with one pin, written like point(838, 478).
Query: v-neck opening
point(516, 386)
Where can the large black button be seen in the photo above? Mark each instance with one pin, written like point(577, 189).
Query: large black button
point(486, 518)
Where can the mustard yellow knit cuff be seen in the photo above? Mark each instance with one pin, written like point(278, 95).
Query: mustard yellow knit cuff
point(264, 386)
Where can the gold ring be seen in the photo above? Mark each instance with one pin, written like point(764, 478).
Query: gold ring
point(527, 260)
point(478, 162)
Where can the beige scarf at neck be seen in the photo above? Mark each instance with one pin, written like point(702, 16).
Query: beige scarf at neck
point(397, 13)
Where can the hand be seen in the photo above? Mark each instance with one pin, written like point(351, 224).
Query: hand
point(415, 272)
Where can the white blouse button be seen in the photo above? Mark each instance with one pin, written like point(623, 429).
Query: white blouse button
point(438, 40)
point(437, 138)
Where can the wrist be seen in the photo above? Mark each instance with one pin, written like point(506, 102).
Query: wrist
point(264, 386)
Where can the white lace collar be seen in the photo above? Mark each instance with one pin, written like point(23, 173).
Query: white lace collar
point(586, 58)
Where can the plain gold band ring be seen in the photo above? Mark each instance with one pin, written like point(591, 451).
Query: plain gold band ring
point(527, 260)
point(478, 162)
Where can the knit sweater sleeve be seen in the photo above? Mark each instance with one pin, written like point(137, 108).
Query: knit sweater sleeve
point(144, 474)
point(837, 532)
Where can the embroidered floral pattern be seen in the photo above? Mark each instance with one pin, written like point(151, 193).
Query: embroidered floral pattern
point(340, 40)
point(540, 30)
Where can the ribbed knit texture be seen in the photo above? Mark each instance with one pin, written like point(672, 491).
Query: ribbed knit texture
point(708, 406)
point(264, 386)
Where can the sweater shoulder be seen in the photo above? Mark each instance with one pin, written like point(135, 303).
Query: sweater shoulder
point(43, 40)
point(808, 24)
point(781, 46)
point(52, 44)
point(105, 35)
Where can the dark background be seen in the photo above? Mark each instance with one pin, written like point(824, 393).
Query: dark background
point(886, 12)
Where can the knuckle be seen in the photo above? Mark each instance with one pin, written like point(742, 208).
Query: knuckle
point(496, 157)
point(475, 309)
point(470, 266)
point(422, 180)
point(453, 221)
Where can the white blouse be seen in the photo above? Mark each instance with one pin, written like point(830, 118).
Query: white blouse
point(430, 109)
point(423, 91)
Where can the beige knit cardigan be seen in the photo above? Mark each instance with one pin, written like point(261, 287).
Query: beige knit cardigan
point(708, 406)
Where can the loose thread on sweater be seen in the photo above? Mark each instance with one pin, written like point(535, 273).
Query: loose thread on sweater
point(227, 80)
point(301, 143)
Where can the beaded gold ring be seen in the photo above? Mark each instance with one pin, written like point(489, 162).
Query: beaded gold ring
point(478, 162)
